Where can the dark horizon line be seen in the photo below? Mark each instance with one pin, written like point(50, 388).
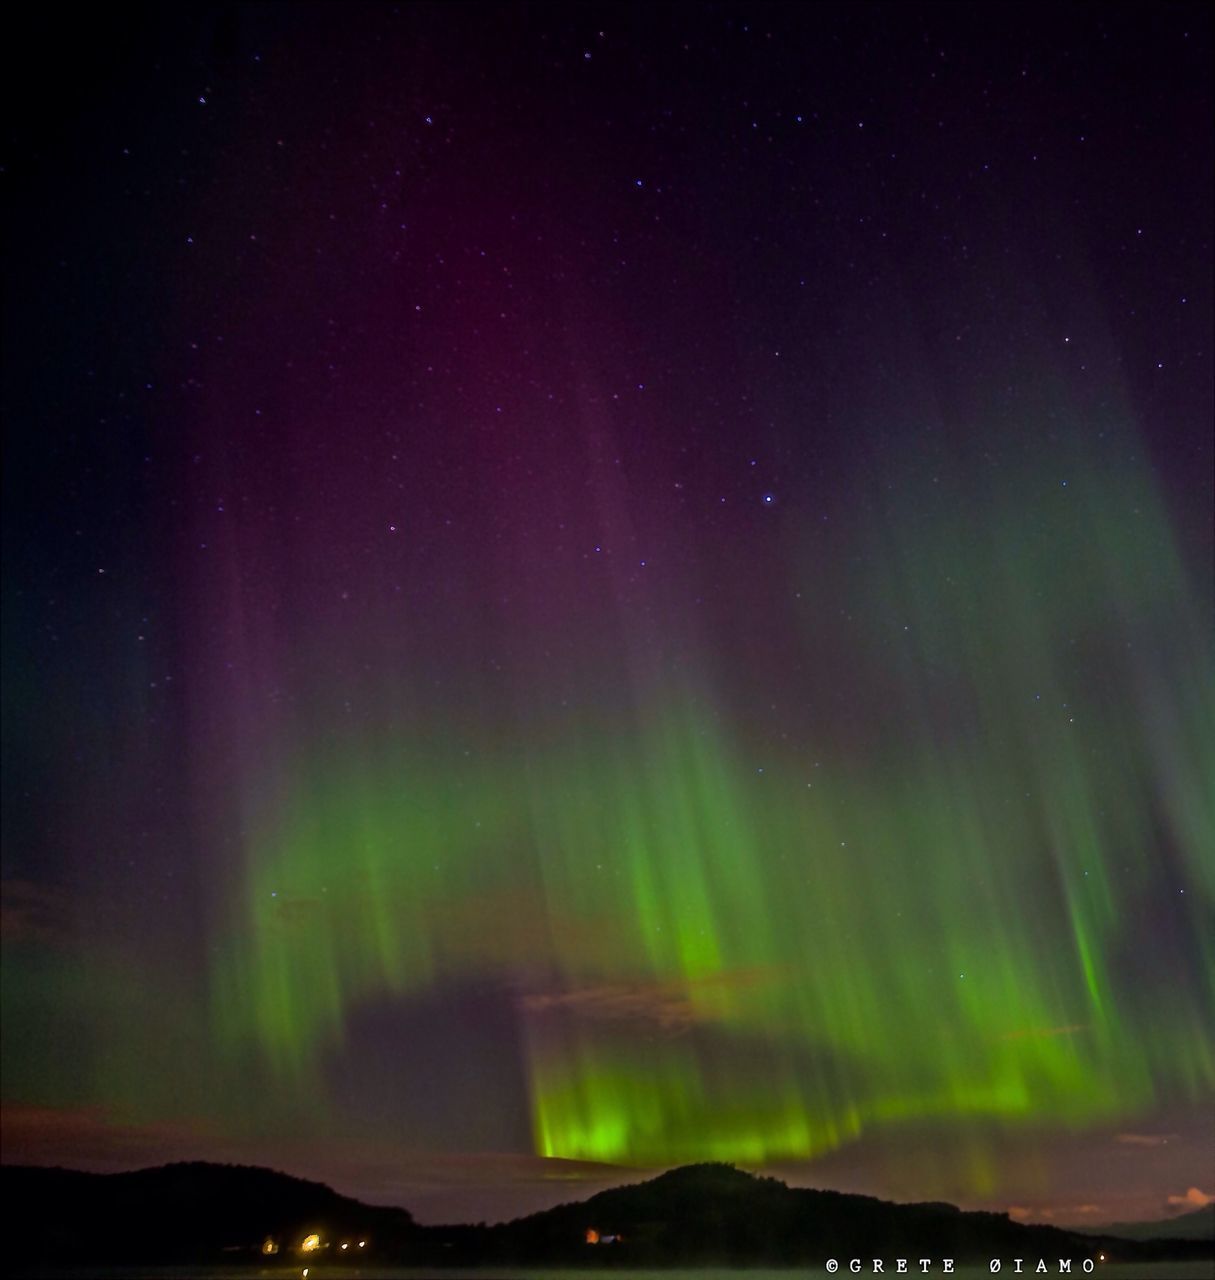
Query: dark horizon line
point(650, 1176)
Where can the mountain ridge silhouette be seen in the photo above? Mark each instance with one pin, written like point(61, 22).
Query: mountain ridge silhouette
point(705, 1214)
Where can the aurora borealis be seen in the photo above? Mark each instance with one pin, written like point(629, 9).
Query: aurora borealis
point(589, 590)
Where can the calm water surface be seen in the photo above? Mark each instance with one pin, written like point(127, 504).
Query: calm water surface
point(1197, 1270)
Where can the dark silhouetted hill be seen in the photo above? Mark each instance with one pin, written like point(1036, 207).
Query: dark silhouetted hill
point(716, 1214)
point(709, 1214)
point(178, 1213)
point(1198, 1225)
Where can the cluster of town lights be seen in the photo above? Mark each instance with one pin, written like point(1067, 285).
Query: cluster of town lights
point(309, 1244)
point(314, 1241)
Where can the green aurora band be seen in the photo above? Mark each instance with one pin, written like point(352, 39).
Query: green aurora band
point(716, 960)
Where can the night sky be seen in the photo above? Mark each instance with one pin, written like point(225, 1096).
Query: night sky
point(590, 588)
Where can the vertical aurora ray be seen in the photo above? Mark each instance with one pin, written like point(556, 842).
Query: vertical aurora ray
point(714, 960)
